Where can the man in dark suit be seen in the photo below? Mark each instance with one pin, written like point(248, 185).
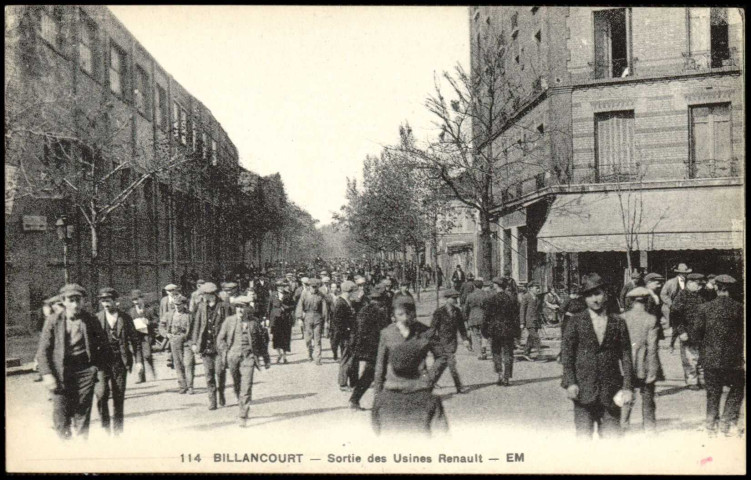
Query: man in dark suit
point(502, 327)
point(682, 312)
point(204, 329)
point(146, 323)
point(718, 331)
point(448, 321)
point(125, 346)
point(458, 277)
point(467, 288)
point(595, 349)
point(530, 309)
point(342, 325)
point(72, 348)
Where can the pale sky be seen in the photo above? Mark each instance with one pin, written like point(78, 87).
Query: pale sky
point(307, 91)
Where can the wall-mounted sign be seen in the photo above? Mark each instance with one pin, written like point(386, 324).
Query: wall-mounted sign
point(32, 223)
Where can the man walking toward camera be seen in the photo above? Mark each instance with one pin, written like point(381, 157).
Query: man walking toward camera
point(595, 349)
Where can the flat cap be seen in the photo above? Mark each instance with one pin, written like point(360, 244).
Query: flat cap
point(638, 292)
point(200, 281)
point(325, 279)
point(208, 287)
point(229, 286)
point(348, 286)
point(360, 281)
point(652, 277)
point(324, 272)
point(180, 300)
point(305, 280)
point(478, 283)
point(242, 300)
point(107, 292)
point(724, 279)
point(72, 289)
point(498, 280)
point(289, 274)
point(695, 276)
point(281, 283)
point(314, 282)
point(487, 283)
point(136, 294)
point(450, 293)
point(171, 287)
point(52, 300)
point(378, 291)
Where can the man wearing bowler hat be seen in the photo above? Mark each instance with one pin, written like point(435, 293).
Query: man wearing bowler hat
point(597, 363)
point(207, 321)
point(682, 312)
point(145, 323)
point(718, 331)
point(125, 347)
point(448, 321)
point(671, 288)
point(72, 348)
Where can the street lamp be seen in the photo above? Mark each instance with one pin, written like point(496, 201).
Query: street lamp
point(65, 235)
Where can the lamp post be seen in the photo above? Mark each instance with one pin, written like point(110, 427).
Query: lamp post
point(65, 235)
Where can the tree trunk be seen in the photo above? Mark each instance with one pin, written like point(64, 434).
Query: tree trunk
point(484, 258)
point(94, 274)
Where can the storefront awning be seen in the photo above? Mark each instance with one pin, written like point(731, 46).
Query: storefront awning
point(677, 219)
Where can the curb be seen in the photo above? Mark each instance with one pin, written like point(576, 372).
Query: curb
point(23, 369)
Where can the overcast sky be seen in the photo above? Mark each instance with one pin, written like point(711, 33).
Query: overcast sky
point(307, 91)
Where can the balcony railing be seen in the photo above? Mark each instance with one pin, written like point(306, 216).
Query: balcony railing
point(709, 59)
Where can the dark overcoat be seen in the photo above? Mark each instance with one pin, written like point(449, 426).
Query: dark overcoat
point(128, 341)
point(717, 329)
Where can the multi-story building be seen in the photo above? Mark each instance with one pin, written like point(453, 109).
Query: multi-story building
point(172, 224)
point(626, 134)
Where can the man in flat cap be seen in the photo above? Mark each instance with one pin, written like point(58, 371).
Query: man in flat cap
point(682, 312)
point(242, 341)
point(196, 296)
point(166, 307)
point(502, 327)
point(595, 350)
point(467, 288)
point(342, 326)
point(530, 311)
point(207, 321)
point(448, 322)
point(145, 323)
point(183, 358)
point(72, 348)
point(671, 288)
point(371, 319)
point(474, 310)
point(643, 331)
point(125, 347)
point(314, 310)
point(717, 329)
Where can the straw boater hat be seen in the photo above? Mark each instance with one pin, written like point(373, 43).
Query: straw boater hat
point(682, 268)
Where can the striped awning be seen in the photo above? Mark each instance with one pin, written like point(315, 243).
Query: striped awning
point(700, 218)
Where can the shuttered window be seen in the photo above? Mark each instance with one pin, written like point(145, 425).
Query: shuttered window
point(614, 146)
point(711, 148)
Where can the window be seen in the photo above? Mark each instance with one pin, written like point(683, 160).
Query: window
point(711, 148)
point(117, 70)
point(612, 46)
point(708, 37)
point(194, 133)
point(514, 21)
point(161, 107)
point(143, 92)
point(183, 126)
point(614, 146)
point(521, 250)
point(175, 120)
point(52, 26)
point(214, 159)
point(87, 46)
point(204, 146)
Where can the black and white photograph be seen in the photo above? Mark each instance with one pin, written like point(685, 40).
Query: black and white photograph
point(375, 239)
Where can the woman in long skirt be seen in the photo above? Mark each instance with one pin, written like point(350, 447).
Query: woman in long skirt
point(281, 307)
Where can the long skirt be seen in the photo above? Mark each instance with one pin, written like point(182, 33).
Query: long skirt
point(282, 332)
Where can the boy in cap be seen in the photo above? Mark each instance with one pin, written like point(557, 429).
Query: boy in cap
point(72, 346)
point(643, 331)
point(717, 329)
point(595, 350)
point(448, 321)
point(125, 347)
point(145, 323)
point(183, 358)
point(242, 341)
point(682, 311)
point(404, 401)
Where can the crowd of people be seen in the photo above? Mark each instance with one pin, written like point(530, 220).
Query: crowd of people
point(609, 345)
